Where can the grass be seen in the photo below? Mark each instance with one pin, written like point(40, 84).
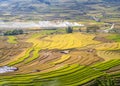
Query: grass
point(114, 37)
point(104, 81)
point(107, 65)
point(35, 55)
point(63, 58)
point(12, 39)
point(27, 54)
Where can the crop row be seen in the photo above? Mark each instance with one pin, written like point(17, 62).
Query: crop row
point(63, 58)
point(66, 76)
point(108, 55)
point(108, 46)
point(107, 65)
point(21, 59)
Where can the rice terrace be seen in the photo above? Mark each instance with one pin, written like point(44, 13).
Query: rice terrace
point(60, 43)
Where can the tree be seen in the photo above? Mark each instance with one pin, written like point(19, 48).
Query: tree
point(69, 29)
point(13, 32)
point(21, 32)
point(8, 33)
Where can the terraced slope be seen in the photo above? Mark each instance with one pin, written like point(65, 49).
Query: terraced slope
point(61, 60)
point(54, 78)
point(66, 41)
point(12, 39)
point(108, 46)
point(108, 55)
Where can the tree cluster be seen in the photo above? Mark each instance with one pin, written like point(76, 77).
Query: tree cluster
point(13, 32)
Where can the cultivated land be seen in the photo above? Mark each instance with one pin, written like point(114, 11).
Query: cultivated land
point(86, 57)
point(48, 58)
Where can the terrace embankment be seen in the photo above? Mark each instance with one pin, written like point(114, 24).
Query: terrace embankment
point(50, 60)
point(47, 58)
point(9, 51)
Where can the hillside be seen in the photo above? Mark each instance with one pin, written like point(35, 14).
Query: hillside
point(58, 9)
point(55, 58)
point(59, 42)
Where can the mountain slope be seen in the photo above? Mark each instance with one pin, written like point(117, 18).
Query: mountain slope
point(56, 9)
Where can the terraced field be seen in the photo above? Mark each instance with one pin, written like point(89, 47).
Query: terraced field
point(107, 55)
point(12, 39)
point(58, 60)
point(108, 46)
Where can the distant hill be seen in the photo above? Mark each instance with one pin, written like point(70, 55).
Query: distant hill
point(55, 9)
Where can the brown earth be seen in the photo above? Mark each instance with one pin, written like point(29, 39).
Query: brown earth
point(83, 56)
